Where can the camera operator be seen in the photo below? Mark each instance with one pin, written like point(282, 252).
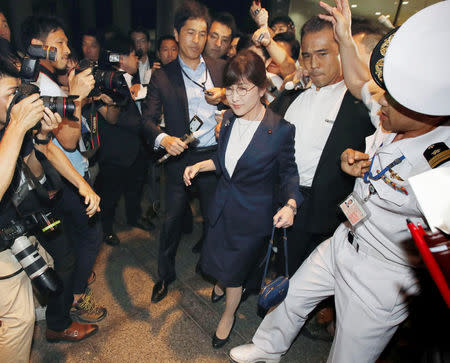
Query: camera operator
point(83, 231)
point(122, 165)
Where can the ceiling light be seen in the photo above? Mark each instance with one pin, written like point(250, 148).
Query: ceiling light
point(405, 2)
point(354, 6)
point(378, 13)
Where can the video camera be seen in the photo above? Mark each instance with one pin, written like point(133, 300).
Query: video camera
point(107, 80)
point(29, 72)
point(14, 237)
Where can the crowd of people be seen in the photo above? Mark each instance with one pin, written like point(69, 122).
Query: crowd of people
point(305, 135)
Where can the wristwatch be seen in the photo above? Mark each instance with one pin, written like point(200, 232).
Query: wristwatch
point(294, 210)
point(40, 141)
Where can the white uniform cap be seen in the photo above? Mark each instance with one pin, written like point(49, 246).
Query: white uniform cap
point(417, 64)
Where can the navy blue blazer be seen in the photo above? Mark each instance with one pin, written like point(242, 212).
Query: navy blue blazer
point(248, 196)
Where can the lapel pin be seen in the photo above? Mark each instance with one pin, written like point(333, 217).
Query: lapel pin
point(227, 122)
point(269, 131)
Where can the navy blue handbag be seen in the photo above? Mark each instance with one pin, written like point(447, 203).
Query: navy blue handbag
point(276, 290)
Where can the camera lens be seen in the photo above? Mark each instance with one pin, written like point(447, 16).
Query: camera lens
point(64, 106)
point(109, 79)
point(42, 276)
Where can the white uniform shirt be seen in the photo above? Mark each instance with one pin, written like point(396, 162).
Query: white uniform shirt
point(386, 230)
point(240, 137)
point(313, 113)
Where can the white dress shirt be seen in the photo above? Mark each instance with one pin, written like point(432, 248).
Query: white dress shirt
point(240, 137)
point(313, 113)
point(145, 72)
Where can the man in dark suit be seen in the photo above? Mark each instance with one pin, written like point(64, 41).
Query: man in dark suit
point(327, 119)
point(187, 90)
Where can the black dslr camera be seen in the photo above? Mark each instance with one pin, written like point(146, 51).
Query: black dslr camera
point(29, 72)
point(107, 80)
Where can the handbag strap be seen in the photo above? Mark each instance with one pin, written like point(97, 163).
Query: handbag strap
point(269, 249)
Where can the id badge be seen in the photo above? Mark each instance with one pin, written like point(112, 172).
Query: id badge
point(354, 209)
point(195, 124)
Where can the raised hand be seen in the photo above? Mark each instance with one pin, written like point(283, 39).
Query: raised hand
point(341, 18)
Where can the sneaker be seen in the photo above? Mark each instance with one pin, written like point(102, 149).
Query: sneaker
point(86, 310)
point(250, 353)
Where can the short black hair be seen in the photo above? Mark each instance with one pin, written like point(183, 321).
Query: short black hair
point(39, 27)
point(119, 43)
point(140, 29)
point(289, 38)
point(163, 38)
point(226, 19)
point(8, 60)
point(190, 9)
point(282, 19)
point(314, 25)
point(97, 34)
point(363, 25)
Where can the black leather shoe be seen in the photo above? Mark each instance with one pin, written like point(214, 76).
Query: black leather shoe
point(198, 246)
point(111, 239)
point(159, 291)
point(219, 343)
point(216, 298)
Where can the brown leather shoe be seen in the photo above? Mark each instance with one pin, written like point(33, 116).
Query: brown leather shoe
point(74, 333)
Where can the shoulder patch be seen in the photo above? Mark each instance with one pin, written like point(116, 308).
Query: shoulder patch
point(437, 154)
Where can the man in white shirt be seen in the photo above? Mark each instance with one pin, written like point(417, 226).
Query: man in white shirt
point(141, 41)
point(327, 118)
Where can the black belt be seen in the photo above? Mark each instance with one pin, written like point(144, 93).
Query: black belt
point(204, 149)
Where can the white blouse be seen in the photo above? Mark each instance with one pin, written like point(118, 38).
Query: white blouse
point(240, 137)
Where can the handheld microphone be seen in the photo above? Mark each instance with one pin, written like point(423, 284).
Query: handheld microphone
point(187, 138)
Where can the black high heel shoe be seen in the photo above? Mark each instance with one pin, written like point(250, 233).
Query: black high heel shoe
point(216, 298)
point(219, 343)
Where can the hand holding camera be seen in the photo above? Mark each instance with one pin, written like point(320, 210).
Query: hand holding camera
point(27, 113)
point(81, 84)
point(50, 122)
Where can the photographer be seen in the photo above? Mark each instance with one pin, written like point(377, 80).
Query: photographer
point(83, 231)
point(122, 166)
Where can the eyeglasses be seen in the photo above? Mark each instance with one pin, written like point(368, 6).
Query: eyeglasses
point(241, 91)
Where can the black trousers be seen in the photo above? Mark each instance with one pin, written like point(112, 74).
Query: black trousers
point(58, 307)
point(112, 182)
point(176, 198)
point(84, 233)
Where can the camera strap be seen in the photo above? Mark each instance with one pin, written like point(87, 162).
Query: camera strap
point(11, 275)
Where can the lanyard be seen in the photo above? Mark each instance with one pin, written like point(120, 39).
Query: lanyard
point(202, 85)
point(368, 175)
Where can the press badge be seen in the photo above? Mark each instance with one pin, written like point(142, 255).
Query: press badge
point(195, 124)
point(354, 209)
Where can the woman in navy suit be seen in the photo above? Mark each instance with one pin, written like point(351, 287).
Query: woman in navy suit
point(255, 155)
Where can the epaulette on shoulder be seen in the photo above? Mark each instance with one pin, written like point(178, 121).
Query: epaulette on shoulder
point(437, 154)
